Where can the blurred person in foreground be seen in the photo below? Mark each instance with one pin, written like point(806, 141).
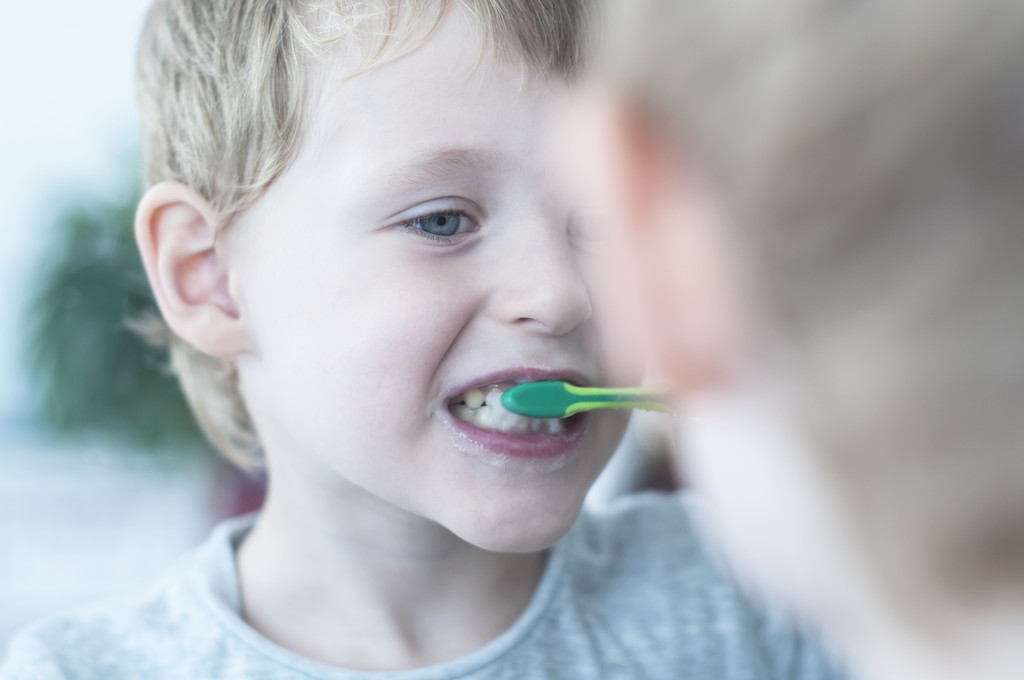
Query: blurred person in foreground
point(822, 204)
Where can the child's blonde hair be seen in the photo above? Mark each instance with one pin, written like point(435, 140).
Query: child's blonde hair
point(871, 155)
point(221, 86)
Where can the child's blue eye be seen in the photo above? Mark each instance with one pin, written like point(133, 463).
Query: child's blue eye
point(441, 226)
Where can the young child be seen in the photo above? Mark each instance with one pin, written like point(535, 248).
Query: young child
point(822, 202)
point(352, 231)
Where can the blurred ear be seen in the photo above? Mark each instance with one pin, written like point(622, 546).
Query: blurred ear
point(686, 264)
point(186, 267)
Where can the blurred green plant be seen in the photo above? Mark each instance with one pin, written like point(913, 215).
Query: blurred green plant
point(93, 374)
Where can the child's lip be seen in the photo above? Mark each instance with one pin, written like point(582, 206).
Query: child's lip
point(519, 375)
point(525, 447)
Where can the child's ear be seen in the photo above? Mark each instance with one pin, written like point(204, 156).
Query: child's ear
point(686, 263)
point(187, 268)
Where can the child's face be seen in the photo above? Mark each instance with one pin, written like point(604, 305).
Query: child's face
point(416, 249)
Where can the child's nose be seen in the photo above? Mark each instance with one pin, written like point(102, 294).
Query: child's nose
point(543, 290)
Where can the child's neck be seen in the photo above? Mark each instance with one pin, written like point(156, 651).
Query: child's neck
point(372, 587)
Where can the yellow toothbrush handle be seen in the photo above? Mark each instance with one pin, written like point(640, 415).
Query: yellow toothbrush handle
point(581, 406)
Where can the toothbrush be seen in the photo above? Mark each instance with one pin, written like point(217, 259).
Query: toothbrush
point(558, 399)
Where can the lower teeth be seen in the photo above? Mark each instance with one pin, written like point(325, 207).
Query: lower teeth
point(500, 419)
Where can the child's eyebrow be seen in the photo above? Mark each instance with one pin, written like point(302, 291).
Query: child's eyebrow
point(440, 165)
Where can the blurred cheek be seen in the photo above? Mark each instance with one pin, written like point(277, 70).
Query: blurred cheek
point(584, 147)
point(766, 504)
point(621, 325)
point(591, 174)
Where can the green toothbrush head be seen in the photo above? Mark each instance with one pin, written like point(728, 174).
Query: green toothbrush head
point(542, 399)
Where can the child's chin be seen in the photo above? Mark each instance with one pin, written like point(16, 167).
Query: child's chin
point(525, 537)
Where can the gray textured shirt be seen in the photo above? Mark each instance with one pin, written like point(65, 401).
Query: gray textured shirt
point(628, 593)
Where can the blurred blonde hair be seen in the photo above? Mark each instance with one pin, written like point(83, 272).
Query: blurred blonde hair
point(871, 156)
point(221, 86)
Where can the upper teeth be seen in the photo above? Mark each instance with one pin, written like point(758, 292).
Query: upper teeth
point(487, 412)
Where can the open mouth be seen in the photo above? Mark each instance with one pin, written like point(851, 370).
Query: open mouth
point(481, 407)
